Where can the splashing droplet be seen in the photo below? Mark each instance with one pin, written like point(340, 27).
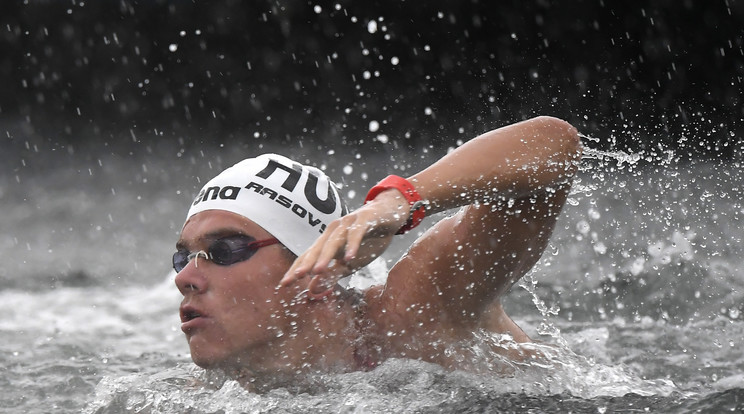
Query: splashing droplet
point(372, 26)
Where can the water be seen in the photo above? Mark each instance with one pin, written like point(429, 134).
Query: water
point(639, 295)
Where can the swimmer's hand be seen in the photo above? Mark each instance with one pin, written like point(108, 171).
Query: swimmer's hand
point(349, 243)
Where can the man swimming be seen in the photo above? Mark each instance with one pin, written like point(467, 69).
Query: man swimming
point(266, 241)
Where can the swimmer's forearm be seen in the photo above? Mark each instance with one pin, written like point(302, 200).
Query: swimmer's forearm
point(512, 161)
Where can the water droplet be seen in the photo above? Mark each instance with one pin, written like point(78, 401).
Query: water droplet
point(600, 248)
point(372, 26)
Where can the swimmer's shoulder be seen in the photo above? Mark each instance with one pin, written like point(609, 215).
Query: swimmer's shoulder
point(372, 296)
point(378, 307)
point(389, 307)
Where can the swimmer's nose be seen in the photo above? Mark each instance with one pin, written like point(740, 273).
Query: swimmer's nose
point(190, 280)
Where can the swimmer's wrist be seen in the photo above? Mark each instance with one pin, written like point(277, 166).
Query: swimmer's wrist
point(417, 206)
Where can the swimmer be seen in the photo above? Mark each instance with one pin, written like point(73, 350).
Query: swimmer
point(266, 241)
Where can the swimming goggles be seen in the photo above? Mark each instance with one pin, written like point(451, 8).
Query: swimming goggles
point(224, 251)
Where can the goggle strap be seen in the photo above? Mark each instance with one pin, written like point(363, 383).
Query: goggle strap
point(263, 243)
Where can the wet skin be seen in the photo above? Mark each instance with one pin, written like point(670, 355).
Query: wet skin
point(233, 313)
point(234, 317)
point(446, 288)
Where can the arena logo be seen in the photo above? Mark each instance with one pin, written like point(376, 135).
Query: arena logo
point(212, 193)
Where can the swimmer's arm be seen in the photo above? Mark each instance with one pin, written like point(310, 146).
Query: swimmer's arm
point(509, 162)
point(512, 183)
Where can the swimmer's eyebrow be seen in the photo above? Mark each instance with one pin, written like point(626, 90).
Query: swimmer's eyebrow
point(181, 244)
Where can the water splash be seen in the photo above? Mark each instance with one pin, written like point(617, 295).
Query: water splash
point(398, 385)
point(546, 328)
point(621, 157)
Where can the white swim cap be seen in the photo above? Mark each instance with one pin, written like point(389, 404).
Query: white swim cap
point(293, 202)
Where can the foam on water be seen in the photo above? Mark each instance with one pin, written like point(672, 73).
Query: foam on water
point(395, 386)
point(129, 340)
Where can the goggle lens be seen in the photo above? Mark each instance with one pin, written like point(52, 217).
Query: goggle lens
point(224, 251)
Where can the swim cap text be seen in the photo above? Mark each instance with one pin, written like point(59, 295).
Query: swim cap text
point(294, 173)
point(231, 193)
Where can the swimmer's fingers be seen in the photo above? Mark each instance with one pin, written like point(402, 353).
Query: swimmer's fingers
point(326, 275)
point(326, 260)
point(343, 242)
point(331, 250)
point(303, 266)
point(361, 245)
point(355, 240)
point(366, 241)
point(300, 267)
point(354, 237)
point(321, 284)
point(348, 238)
point(351, 242)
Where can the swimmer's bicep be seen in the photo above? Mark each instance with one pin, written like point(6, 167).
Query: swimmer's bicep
point(436, 273)
point(417, 278)
point(509, 240)
point(466, 261)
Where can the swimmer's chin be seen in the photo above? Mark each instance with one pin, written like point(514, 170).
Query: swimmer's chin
point(204, 353)
point(230, 367)
point(207, 361)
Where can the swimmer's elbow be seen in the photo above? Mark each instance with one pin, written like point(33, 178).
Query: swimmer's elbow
point(564, 139)
point(561, 131)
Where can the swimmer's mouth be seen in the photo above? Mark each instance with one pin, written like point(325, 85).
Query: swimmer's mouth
point(188, 314)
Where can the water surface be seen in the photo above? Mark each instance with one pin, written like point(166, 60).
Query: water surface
point(640, 295)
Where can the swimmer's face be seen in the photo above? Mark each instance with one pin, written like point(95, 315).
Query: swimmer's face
point(232, 315)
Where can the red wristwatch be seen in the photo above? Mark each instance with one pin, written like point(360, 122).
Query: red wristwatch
point(417, 211)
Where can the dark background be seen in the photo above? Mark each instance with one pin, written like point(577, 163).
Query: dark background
point(642, 76)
